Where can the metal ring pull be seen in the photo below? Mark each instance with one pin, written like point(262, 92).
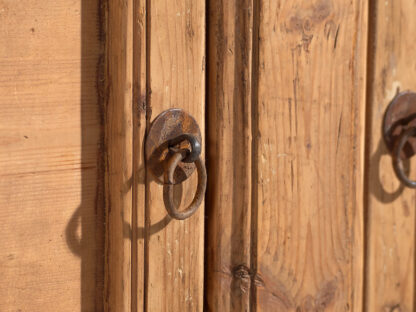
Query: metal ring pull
point(397, 159)
point(173, 149)
point(193, 155)
point(171, 165)
point(399, 132)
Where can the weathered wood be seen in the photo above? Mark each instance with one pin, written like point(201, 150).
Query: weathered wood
point(50, 191)
point(309, 156)
point(303, 103)
point(390, 262)
point(229, 155)
point(119, 155)
point(139, 172)
point(176, 78)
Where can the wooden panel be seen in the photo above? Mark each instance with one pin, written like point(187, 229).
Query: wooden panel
point(309, 155)
point(294, 113)
point(229, 155)
point(51, 241)
point(390, 267)
point(119, 155)
point(176, 71)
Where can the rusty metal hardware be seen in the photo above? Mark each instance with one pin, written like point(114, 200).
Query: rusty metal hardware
point(163, 134)
point(191, 155)
point(399, 131)
point(172, 163)
point(397, 159)
point(173, 148)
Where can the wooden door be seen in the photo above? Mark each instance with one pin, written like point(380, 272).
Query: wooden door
point(303, 210)
point(294, 73)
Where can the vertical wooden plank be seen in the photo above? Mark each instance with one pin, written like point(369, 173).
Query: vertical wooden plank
point(119, 140)
point(139, 172)
point(229, 155)
point(309, 155)
point(390, 267)
point(176, 70)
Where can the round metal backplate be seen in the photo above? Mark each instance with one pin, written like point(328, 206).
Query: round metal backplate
point(167, 126)
point(400, 115)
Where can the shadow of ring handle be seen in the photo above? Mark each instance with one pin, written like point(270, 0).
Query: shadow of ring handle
point(168, 187)
point(397, 160)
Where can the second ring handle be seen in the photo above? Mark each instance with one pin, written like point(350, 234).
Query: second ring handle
point(397, 160)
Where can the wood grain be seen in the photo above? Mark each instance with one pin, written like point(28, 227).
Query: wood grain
point(309, 156)
point(50, 135)
point(292, 109)
point(229, 155)
point(139, 172)
point(119, 155)
point(176, 78)
point(390, 265)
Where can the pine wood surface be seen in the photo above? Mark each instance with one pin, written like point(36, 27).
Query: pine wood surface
point(304, 138)
point(139, 173)
point(119, 155)
point(229, 142)
point(303, 210)
point(50, 135)
point(310, 152)
point(175, 79)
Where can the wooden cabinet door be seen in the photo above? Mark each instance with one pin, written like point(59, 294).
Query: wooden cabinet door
point(294, 75)
point(303, 210)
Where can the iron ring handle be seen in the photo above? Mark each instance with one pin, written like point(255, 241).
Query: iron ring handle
point(195, 151)
point(171, 165)
point(397, 160)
